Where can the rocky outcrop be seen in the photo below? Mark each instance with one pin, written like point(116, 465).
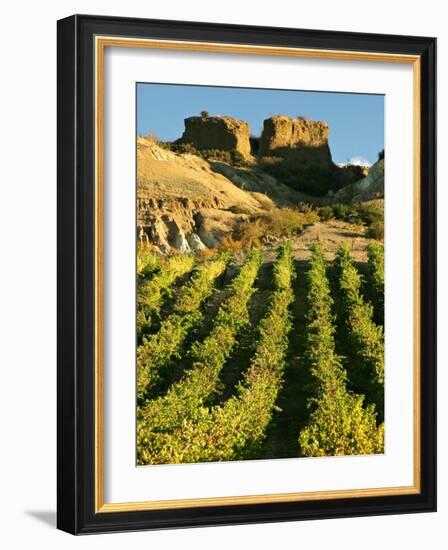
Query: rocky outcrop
point(186, 203)
point(351, 173)
point(301, 145)
point(299, 140)
point(195, 242)
point(369, 188)
point(217, 132)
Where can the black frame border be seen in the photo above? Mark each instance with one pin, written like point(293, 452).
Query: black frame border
point(76, 270)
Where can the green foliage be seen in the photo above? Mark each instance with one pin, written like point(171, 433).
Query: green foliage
point(148, 262)
point(185, 424)
point(375, 253)
point(237, 158)
point(250, 232)
point(314, 179)
point(285, 222)
point(367, 338)
point(342, 426)
point(184, 398)
point(234, 158)
point(326, 213)
point(362, 214)
point(151, 293)
point(158, 350)
point(180, 148)
point(277, 167)
point(277, 222)
point(376, 231)
point(232, 430)
point(204, 114)
point(307, 178)
point(339, 425)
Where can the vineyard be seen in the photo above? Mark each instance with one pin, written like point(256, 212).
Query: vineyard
point(243, 356)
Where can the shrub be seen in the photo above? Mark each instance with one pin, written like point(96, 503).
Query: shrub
point(204, 114)
point(230, 157)
point(229, 243)
point(152, 136)
point(181, 148)
point(276, 167)
point(366, 214)
point(284, 222)
point(370, 214)
point(216, 154)
point(340, 211)
point(206, 254)
point(237, 158)
point(376, 231)
point(313, 179)
point(311, 214)
point(277, 222)
point(311, 217)
point(265, 162)
point(250, 232)
point(326, 213)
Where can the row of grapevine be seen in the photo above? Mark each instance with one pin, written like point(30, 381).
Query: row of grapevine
point(151, 293)
point(185, 397)
point(366, 338)
point(339, 423)
point(230, 431)
point(147, 262)
point(159, 349)
point(375, 264)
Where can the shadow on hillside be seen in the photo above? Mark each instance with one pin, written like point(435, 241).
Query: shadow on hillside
point(257, 181)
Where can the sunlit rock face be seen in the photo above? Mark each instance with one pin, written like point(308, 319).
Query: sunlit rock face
point(296, 139)
point(217, 132)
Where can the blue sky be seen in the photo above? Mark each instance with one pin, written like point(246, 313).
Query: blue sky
point(356, 120)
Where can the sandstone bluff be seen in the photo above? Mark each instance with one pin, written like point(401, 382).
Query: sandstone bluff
point(299, 138)
point(222, 133)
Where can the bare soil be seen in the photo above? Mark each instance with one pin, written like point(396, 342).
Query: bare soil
point(331, 235)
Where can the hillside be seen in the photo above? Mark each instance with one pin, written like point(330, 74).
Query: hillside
point(189, 198)
point(184, 201)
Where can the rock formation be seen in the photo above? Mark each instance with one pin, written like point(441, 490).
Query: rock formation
point(297, 140)
point(302, 146)
point(350, 173)
point(186, 203)
point(217, 132)
point(368, 188)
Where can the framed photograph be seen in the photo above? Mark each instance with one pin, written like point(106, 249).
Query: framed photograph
point(246, 274)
